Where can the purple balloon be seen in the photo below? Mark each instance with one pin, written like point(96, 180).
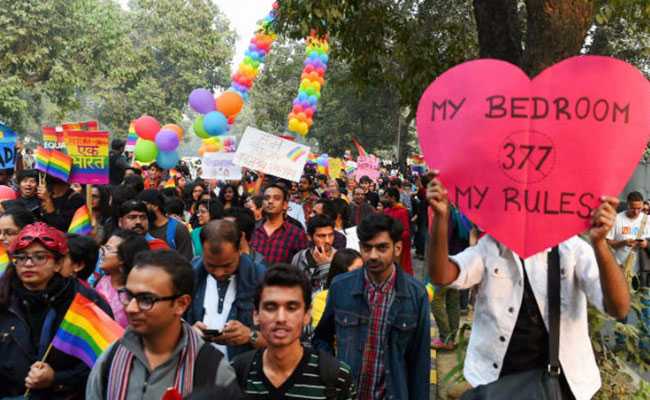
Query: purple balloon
point(167, 140)
point(202, 101)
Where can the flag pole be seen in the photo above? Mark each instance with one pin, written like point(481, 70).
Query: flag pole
point(89, 204)
point(47, 353)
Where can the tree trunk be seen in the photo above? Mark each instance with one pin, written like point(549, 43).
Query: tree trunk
point(555, 29)
point(499, 30)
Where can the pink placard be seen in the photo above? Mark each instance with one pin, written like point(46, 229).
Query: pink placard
point(527, 160)
point(367, 166)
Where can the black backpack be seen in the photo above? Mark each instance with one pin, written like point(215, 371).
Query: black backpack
point(327, 364)
point(205, 367)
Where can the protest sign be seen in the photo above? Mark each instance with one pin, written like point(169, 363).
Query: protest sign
point(528, 160)
point(89, 152)
point(272, 155)
point(7, 147)
point(351, 238)
point(335, 167)
point(367, 166)
point(219, 166)
point(53, 138)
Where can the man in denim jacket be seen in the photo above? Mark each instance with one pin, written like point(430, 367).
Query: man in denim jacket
point(379, 318)
point(225, 283)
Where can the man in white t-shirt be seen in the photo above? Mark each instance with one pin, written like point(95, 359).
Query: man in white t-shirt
point(623, 236)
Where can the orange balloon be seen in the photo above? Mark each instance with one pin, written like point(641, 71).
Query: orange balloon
point(230, 104)
point(175, 128)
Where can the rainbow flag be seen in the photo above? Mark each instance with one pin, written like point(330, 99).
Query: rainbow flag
point(89, 152)
point(131, 139)
point(59, 166)
point(171, 183)
point(80, 223)
point(296, 153)
point(41, 159)
point(4, 260)
point(86, 331)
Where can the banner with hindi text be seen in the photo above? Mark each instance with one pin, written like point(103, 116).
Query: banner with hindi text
point(89, 152)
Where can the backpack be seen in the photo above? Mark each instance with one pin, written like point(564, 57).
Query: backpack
point(327, 364)
point(205, 367)
point(171, 232)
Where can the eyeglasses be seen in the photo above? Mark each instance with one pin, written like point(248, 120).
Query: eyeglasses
point(9, 232)
point(145, 301)
point(37, 259)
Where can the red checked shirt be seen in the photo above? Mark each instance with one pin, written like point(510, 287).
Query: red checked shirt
point(282, 245)
point(372, 382)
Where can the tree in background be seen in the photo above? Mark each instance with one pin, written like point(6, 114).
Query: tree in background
point(80, 59)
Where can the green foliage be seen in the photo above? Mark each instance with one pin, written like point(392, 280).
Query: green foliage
point(76, 59)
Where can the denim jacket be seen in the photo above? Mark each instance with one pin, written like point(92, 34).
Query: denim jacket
point(345, 319)
point(249, 274)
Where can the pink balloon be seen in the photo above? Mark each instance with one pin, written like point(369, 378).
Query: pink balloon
point(147, 127)
point(7, 193)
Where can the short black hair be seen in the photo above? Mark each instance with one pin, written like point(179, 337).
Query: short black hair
point(215, 233)
point(128, 250)
point(118, 145)
point(285, 275)
point(174, 205)
point(392, 192)
point(257, 200)
point(132, 205)
point(134, 181)
point(634, 196)
point(83, 249)
point(244, 219)
point(153, 197)
point(26, 173)
point(365, 179)
point(318, 221)
point(340, 263)
point(20, 215)
point(372, 225)
point(278, 186)
point(328, 207)
point(174, 264)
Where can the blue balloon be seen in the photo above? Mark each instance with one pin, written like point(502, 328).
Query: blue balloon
point(167, 159)
point(324, 58)
point(215, 123)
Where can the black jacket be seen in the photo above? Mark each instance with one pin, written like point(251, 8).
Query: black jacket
point(20, 347)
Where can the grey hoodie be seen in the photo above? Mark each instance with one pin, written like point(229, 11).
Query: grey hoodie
point(317, 273)
point(146, 384)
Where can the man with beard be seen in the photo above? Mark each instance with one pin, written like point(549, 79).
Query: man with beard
point(359, 207)
point(133, 216)
point(277, 239)
point(286, 369)
point(316, 260)
point(306, 195)
point(379, 318)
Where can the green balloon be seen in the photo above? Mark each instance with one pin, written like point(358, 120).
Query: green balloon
point(198, 128)
point(146, 151)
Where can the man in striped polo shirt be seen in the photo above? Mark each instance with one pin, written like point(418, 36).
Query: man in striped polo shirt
point(286, 369)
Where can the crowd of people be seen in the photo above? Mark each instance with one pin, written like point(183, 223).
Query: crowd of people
point(269, 289)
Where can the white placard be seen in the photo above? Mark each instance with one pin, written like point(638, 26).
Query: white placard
point(220, 166)
point(272, 155)
point(352, 240)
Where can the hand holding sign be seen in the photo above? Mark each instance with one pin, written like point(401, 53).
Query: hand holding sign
point(519, 156)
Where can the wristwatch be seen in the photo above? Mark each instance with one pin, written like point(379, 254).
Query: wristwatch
point(253, 338)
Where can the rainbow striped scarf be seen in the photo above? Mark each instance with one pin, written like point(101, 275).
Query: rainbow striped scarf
point(120, 368)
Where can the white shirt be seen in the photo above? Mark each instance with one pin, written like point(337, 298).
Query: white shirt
point(212, 317)
point(627, 228)
point(497, 272)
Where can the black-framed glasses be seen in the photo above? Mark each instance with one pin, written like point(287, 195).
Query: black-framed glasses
point(37, 259)
point(145, 301)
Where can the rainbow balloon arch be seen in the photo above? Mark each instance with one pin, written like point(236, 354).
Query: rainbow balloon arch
point(218, 115)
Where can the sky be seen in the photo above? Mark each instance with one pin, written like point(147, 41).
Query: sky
point(243, 16)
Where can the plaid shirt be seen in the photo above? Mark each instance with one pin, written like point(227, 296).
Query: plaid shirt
point(282, 245)
point(372, 381)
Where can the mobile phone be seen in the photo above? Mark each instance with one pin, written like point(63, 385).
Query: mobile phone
point(212, 332)
point(639, 240)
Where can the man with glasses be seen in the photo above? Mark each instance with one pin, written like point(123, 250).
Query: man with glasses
point(225, 281)
point(379, 317)
point(159, 353)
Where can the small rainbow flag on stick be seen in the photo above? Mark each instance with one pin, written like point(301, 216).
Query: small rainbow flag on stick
point(86, 331)
point(4, 260)
point(80, 223)
point(41, 159)
point(60, 165)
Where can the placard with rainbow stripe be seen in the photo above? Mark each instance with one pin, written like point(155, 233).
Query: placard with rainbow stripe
point(89, 152)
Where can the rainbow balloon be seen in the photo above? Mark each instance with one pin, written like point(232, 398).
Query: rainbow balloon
point(301, 117)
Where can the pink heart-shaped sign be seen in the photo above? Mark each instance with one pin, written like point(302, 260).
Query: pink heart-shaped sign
point(527, 160)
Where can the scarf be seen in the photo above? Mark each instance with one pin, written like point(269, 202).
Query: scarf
point(120, 369)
